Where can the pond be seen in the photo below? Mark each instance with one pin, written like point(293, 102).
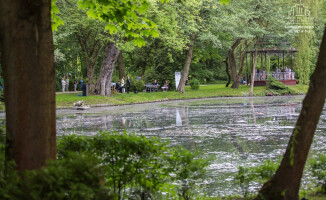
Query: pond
point(234, 131)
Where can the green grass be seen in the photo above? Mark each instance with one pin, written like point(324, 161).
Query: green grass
point(218, 90)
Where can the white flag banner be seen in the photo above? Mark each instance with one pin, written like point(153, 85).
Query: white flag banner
point(177, 79)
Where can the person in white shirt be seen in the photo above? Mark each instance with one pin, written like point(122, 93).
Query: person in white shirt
point(63, 82)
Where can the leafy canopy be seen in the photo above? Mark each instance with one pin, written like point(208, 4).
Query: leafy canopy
point(126, 16)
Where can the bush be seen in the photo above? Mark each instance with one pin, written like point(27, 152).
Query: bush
point(194, 84)
point(108, 166)
point(140, 167)
point(260, 174)
point(318, 167)
point(137, 85)
point(75, 177)
point(277, 87)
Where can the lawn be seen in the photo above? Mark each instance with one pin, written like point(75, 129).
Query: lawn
point(205, 91)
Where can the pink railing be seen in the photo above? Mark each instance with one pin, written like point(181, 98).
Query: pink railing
point(280, 76)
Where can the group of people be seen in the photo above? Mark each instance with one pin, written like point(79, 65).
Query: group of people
point(121, 86)
point(284, 74)
point(286, 69)
point(165, 87)
point(65, 83)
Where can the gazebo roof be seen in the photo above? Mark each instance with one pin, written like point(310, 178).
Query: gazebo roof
point(264, 46)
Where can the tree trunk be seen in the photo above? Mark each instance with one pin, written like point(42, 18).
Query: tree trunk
point(90, 69)
point(103, 84)
point(233, 64)
point(251, 91)
point(143, 68)
point(121, 66)
point(91, 50)
point(241, 63)
point(286, 181)
point(227, 71)
point(29, 78)
point(181, 87)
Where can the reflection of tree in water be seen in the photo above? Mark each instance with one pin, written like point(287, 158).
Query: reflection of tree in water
point(182, 114)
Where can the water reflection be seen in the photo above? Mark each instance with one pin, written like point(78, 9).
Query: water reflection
point(235, 131)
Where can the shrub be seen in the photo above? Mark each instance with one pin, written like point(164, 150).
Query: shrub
point(75, 177)
point(260, 174)
point(194, 84)
point(136, 85)
point(277, 87)
point(108, 166)
point(188, 169)
point(140, 167)
point(318, 167)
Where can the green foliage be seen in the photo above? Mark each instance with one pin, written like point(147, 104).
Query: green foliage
point(318, 167)
point(188, 171)
point(194, 84)
point(108, 166)
point(56, 20)
point(125, 17)
point(137, 85)
point(260, 174)
point(75, 177)
point(279, 88)
point(151, 75)
point(136, 166)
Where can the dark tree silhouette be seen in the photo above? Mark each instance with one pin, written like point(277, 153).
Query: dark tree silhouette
point(27, 58)
point(286, 181)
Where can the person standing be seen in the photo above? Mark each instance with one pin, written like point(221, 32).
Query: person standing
point(123, 84)
point(128, 84)
point(67, 83)
point(81, 83)
point(63, 82)
point(75, 84)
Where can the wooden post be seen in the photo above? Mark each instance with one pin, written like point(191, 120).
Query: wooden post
point(283, 59)
point(266, 61)
point(291, 60)
point(261, 61)
point(247, 67)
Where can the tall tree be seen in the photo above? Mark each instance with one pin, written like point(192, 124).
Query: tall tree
point(190, 19)
point(184, 77)
point(239, 22)
point(103, 84)
point(89, 34)
point(286, 181)
point(124, 17)
point(29, 77)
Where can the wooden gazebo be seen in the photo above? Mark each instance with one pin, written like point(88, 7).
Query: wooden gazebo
point(283, 73)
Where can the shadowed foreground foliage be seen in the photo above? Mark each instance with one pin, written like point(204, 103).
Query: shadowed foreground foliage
point(109, 166)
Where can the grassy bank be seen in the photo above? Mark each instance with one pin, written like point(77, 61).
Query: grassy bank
point(66, 100)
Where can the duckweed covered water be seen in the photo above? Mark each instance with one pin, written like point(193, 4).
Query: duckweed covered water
point(233, 131)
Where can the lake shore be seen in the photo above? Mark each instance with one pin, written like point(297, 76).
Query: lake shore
point(66, 100)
